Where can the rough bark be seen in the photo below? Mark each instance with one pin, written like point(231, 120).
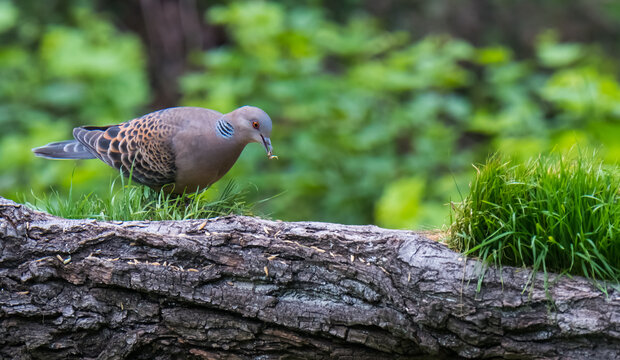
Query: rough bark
point(241, 287)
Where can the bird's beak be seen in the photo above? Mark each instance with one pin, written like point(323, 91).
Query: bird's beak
point(268, 148)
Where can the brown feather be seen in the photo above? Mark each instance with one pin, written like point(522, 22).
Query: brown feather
point(141, 147)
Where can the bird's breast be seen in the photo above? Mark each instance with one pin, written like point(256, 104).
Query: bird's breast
point(201, 163)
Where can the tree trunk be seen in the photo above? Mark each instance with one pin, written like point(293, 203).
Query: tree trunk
point(240, 287)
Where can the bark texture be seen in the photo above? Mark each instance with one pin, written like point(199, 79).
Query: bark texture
point(239, 287)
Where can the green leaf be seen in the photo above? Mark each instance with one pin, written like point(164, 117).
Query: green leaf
point(8, 15)
point(399, 205)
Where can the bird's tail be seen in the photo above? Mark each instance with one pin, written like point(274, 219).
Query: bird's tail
point(70, 149)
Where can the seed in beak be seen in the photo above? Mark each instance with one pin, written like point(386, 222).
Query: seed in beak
point(268, 148)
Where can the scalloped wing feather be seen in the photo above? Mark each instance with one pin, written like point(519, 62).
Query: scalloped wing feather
point(140, 148)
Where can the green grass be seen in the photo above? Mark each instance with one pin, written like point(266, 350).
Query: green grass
point(127, 201)
point(552, 214)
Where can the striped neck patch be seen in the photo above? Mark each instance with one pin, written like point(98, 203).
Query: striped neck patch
point(224, 129)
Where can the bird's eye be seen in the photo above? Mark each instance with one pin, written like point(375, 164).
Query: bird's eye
point(255, 124)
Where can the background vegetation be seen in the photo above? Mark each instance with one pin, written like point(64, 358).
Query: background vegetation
point(380, 108)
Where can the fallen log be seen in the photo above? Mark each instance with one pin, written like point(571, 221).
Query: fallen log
point(240, 287)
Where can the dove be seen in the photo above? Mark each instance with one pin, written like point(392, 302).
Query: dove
point(180, 149)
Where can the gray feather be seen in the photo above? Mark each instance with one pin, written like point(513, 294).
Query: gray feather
point(70, 149)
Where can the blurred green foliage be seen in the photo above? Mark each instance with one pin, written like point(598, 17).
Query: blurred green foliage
point(61, 65)
point(374, 127)
point(371, 126)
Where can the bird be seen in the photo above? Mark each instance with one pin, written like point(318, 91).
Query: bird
point(179, 149)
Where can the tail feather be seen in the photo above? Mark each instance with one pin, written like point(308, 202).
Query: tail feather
point(70, 149)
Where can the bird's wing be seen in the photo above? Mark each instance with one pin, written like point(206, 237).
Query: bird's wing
point(141, 147)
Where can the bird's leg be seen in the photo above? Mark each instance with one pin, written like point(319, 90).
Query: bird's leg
point(186, 200)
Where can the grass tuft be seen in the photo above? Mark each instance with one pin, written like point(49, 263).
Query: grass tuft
point(559, 213)
point(125, 202)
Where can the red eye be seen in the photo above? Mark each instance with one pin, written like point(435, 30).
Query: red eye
point(255, 124)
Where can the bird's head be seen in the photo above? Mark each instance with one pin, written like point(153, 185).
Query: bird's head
point(254, 126)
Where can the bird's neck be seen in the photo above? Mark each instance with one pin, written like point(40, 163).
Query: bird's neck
point(224, 129)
